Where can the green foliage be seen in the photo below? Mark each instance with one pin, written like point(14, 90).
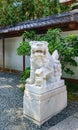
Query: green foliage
point(54, 38)
point(25, 74)
point(24, 48)
point(9, 14)
point(14, 11)
point(71, 51)
point(29, 35)
point(67, 47)
point(73, 44)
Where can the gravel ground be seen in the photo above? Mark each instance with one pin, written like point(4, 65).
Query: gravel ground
point(11, 107)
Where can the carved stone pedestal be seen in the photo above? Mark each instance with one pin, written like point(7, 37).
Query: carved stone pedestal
point(41, 105)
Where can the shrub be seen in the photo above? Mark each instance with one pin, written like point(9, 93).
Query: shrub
point(67, 47)
point(25, 74)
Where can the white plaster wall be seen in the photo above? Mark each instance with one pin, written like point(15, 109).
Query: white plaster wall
point(12, 60)
point(70, 32)
point(27, 61)
point(75, 69)
point(62, 1)
point(0, 53)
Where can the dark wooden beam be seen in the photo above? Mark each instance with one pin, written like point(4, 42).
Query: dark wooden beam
point(3, 53)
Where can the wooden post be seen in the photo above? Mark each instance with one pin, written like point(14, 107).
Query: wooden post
point(3, 53)
point(23, 63)
point(23, 59)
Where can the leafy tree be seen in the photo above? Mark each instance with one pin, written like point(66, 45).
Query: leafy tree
point(9, 13)
point(25, 75)
point(67, 47)
point(14, 11)
point(24, 47)
point(71, 51)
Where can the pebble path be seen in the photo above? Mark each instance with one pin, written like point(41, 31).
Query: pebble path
point(11, 107)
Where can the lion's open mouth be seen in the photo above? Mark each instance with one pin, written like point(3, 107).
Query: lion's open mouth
point(39, 51)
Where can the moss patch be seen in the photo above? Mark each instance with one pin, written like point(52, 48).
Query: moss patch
point(72, 89)
point(72, 96)
point(22, 87)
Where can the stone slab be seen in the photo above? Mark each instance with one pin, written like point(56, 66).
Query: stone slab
point(45, 95)
point(76, 115)
point(40, 90)
point(40, 108)
point(70, 123)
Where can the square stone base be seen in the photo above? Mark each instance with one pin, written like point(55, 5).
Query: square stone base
point(41, 107)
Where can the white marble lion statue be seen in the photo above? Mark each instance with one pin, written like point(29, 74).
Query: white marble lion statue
point(45, 68)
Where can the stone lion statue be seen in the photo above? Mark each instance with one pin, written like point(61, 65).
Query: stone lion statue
point(45, 68)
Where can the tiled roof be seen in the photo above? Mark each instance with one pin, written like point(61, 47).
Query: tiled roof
point(42, 22)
